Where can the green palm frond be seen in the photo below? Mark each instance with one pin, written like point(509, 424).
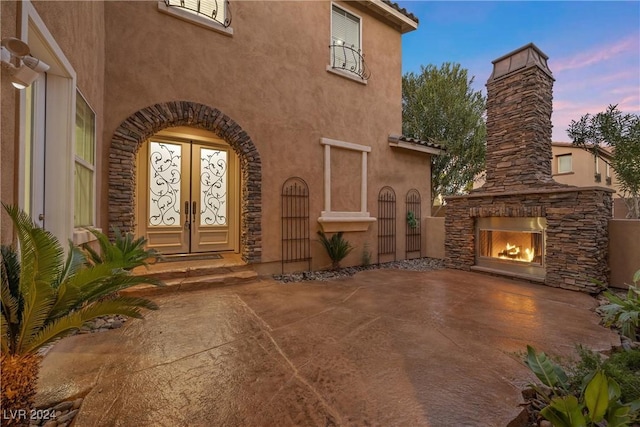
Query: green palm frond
point(125, 249)
point(44, 297)
point(126, 306)
point(10, 299)
point(40, 256)
point(75, 261)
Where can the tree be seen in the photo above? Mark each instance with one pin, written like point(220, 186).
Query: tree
point(439, 105)
point(621, 132)
point(44, 298)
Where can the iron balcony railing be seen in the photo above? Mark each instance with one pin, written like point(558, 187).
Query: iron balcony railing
point(218, 10)
point(347, 58)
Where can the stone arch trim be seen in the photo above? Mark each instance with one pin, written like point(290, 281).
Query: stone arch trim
point(144, 123)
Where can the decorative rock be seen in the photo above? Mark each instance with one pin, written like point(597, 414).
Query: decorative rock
point(116, 324)
point(67, 417)
point(77, 403)
point(99, 323)
point(64, 406)
point(545, 423)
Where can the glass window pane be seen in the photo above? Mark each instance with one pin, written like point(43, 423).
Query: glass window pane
point(85, 131)
point(83, 209)
point(165, 179)
point(213, 187)
point(84, 200)
point(564, 163)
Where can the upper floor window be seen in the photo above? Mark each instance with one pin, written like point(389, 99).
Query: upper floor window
point(346, 47)
point(213, 15)
point(565, 163)
point(218, 10)
point(84, 200)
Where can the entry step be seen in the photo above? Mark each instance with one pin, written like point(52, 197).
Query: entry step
point(193, 283)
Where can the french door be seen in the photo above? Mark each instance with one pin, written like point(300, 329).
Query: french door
point(189, 195)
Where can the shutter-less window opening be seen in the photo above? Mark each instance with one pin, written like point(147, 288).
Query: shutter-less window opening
point(218, 10)
point(346, 50)
point(346, 28)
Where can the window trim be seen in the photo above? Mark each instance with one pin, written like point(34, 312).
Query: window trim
point(340, 72)
point(194, 18)
point(84, 163)
point(333, 221)
point(570, 156)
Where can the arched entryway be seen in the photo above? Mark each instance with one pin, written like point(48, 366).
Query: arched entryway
point(140, 126)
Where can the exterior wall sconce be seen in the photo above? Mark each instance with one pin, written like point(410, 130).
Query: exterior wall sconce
point(16, 58)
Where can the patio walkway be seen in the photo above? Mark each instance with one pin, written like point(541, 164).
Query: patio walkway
point(385, 347)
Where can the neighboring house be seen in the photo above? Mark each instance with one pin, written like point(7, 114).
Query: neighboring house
point(241, 128)
point(575, 166)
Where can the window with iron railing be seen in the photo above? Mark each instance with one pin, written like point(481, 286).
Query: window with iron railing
point(345, 48)
point(217, 10)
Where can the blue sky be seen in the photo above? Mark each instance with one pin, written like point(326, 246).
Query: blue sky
point(593, 47)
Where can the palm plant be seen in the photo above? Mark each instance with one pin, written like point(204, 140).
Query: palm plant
point(44, 298)
point(125, 248)
point(336, 246)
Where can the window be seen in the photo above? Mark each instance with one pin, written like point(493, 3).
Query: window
point(84, 164)
point(211, 14)
point(346, 49)
point(564, 163)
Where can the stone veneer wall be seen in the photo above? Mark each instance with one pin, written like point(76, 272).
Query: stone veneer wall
point(519, 107)
point(141, 125)
point(576, 236)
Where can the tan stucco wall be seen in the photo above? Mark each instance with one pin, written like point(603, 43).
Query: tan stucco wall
point(624, 250)
point(434, 237)
point(584, 169)
point(270, 77)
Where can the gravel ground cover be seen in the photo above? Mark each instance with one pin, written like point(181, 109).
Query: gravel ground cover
point(417, 264)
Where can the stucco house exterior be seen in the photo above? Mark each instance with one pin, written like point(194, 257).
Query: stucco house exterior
point(243, 127)
point(575, 166)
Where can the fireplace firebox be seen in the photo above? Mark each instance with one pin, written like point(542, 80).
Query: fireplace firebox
point(513, 245)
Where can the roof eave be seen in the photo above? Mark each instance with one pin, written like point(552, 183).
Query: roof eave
point(400, 21)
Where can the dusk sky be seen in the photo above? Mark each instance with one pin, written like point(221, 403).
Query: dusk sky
point(593, 47)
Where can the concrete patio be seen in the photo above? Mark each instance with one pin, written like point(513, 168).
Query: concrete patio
point(385, 347)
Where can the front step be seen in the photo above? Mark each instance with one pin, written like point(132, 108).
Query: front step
point(193, 274)
point(193, 283)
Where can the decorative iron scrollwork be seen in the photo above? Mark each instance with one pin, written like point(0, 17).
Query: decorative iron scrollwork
point(164, 189)
point(218, 10)
point(213, 176)
point(348, 58)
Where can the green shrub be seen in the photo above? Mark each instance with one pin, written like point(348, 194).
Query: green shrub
point(125, 249)
point(622, 366)
point(336, 246)
point(624, 312)
point(590, 398)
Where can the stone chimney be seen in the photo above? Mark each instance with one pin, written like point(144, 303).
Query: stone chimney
point(519, 106)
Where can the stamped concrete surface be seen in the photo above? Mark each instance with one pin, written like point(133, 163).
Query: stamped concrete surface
point(385, 347)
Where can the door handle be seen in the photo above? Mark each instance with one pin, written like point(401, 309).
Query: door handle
point(193, 213)
point(187, 224)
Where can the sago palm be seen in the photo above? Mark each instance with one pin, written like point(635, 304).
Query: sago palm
point(45, 297)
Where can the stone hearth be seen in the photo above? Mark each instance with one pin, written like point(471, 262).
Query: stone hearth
point(519, 184)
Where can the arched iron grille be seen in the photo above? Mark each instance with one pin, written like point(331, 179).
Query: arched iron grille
point(386, 222)
point(218, 10)
point(414, 239)
point(295, 222)
point(350, 59)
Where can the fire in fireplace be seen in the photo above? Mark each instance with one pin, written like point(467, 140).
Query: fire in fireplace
point(512, 244)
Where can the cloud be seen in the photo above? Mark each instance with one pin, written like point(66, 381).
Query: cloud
point(598, 54)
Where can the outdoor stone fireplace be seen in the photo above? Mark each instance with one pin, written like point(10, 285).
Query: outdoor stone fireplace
point(521, 223)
